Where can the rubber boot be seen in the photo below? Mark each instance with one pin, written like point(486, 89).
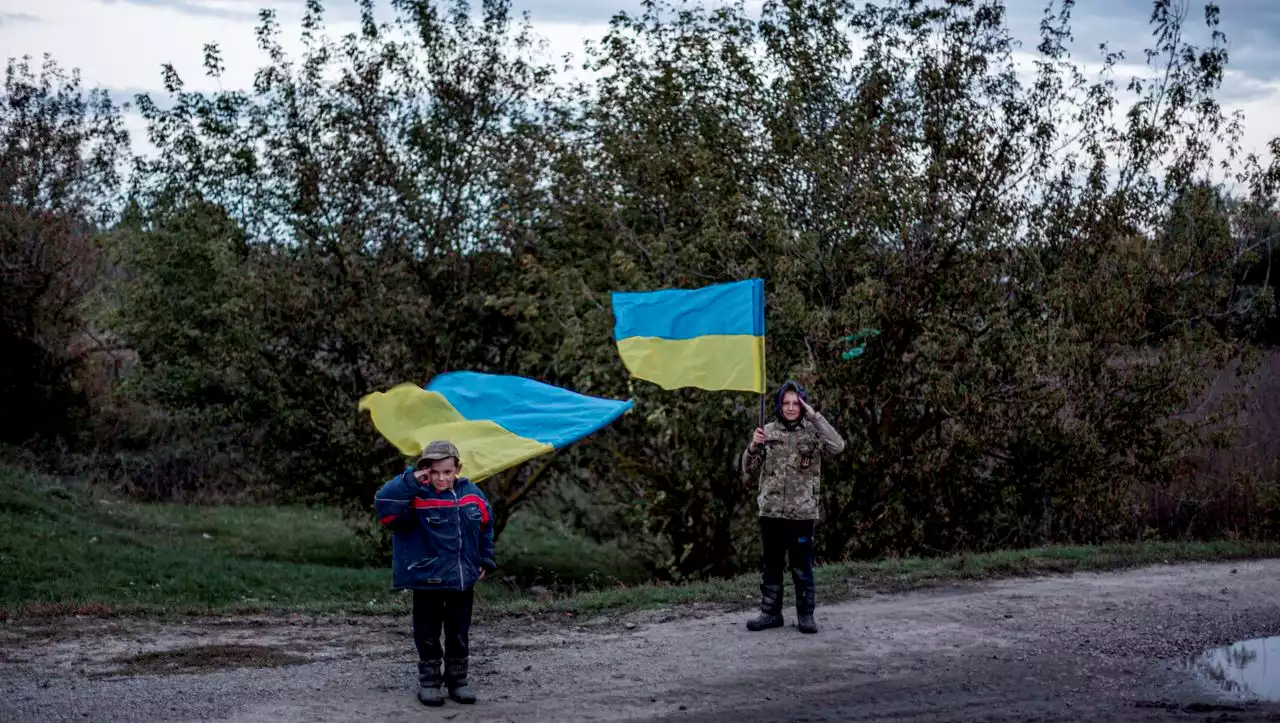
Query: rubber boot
point(805, 601)
point(455, 678)
point(770, 609)
point(429, 681)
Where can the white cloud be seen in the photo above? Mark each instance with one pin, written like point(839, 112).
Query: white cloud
point(15, 18)
point(124, 45)
point(226, 9)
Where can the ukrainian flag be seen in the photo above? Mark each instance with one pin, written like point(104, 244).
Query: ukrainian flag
point(709, 338)
point(496, 421)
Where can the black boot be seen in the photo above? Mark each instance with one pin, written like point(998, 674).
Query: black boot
point(455, 677)
point(429, 681)
point(770, 609)
point(805, 601)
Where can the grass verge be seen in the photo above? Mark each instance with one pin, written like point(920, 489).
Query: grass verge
point(70, 551)
point(841, 581)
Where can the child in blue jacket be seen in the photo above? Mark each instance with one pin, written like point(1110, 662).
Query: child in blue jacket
point(441, 545)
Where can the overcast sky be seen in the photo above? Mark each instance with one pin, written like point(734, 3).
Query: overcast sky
point(121, 44)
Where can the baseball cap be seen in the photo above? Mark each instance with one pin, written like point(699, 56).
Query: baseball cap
point(439, 449)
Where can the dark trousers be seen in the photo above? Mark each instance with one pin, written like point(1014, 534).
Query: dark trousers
point(788, 541)
point(437, 610)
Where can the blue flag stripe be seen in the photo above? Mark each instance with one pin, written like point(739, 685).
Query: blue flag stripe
point(735, 308)
point(526, 407)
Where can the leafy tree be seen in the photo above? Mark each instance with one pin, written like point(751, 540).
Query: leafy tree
point(1038, 327)
point(1053, 279)
point(354, 221)
point(60, 152)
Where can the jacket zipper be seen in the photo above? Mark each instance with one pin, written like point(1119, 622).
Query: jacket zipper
point(457, 511)
point(786, 483)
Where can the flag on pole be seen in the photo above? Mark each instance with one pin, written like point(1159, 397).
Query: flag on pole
point(709, 338)
point(496, 421)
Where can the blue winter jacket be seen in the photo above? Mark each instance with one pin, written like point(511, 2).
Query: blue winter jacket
point(439, 540)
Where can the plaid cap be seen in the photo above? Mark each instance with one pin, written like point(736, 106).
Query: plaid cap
point(439, 449)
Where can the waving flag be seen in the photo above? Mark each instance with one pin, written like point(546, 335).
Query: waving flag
point(496, 421)
point(709, 338)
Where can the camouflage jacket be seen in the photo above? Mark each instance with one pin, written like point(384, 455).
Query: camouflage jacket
point(790, 466)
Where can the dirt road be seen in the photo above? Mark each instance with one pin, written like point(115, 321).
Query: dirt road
point(1086, 647)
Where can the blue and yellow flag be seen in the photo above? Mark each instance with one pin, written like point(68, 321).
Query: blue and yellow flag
point(709, 338)
point(496, 421)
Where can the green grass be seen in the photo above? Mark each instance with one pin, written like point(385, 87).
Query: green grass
point(73, 550)
point(68, 550)
point(842, 581)
point(69, 547)
point(538, 551)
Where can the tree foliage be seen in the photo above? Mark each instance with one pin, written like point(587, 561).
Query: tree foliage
point(351, 222)
point(60, 153)
point(1049, 255)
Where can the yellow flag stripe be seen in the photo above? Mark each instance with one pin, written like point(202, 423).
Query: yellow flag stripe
point(714, 362)
point(409, 417)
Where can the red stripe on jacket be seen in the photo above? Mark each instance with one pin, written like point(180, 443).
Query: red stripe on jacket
point(424, 504)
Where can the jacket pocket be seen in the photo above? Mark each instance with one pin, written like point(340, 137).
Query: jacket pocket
point(474, 523)
point(807, 452)
point(436, 516)
point(436, 520)
point(423, 564)
point(440, 532)
point(473, 520)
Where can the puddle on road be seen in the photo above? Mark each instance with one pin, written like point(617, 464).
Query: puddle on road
point(1249, 669)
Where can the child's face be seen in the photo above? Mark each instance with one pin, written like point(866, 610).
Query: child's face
point(790, 406)
point(443, 473)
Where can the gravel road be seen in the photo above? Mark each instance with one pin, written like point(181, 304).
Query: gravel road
point(1109, 646)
